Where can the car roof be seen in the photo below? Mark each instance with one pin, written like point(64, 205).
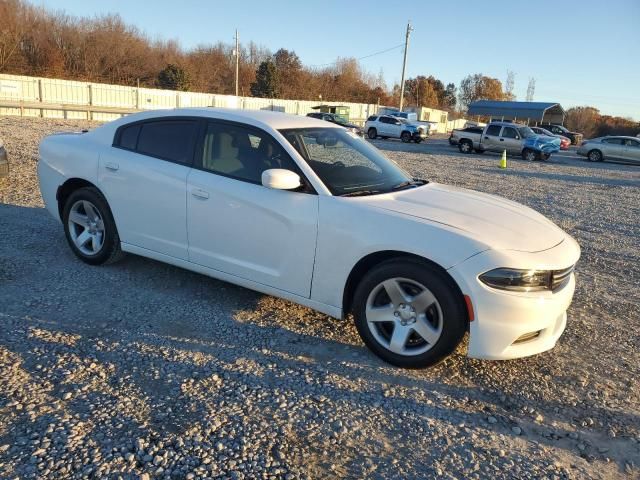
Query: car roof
point(508, 124)
point(258, 118)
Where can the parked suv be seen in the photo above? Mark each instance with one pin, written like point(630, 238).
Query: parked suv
point(333, 118)
point(387, 126)
point(575, 137)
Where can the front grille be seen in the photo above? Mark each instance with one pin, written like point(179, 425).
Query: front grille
point(560, 277)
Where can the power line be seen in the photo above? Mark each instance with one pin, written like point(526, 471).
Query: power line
point(360, 58)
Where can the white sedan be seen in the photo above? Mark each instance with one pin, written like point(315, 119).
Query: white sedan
point(304, 210)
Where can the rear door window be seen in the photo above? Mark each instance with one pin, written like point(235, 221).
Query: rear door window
point(171, 140)
point(614, 141)
point(129, 137)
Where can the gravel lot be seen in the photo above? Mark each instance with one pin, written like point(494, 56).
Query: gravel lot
point(143, 370)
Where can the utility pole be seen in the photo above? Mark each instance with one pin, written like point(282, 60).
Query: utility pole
point(531, 88)
point(237, 60)
point(404, 62)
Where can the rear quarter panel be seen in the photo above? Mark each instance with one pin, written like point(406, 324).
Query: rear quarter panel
point(65, 156)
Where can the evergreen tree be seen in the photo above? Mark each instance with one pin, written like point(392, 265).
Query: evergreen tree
point(266, 84)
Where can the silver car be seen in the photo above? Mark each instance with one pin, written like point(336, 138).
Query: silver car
point(625, 149)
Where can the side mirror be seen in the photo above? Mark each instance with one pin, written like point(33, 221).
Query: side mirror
point(281, 179)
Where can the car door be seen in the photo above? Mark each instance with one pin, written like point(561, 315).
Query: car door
point(491, 137)
point(613, 148)
point(632, 150)
point(383, 126)
point(510, 140)
point(238, 226)
point(144, 177)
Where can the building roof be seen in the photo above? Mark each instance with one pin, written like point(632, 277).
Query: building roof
point(536, 111)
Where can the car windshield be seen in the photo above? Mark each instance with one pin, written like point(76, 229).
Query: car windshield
point(346, 164)
point(526, 132)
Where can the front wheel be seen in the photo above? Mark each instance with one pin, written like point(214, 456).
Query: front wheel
point(89, 227)
point(418, 140)
point(530, 155)
point(405, 137)
point(410, 314)
point(372, 133)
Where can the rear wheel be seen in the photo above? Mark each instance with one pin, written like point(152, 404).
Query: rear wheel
point(372, 133)
point(405, 137)
point(529, 155)
point(595, 156)
point(465, 146)
point(89, 227)
point(409, 313)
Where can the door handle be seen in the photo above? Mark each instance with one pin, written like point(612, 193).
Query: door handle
point(111, 166)
point(199, 193)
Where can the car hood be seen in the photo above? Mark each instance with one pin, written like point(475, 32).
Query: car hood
point(497, 222)
point(542, 140)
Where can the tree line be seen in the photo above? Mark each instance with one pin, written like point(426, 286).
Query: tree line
point(37, 42)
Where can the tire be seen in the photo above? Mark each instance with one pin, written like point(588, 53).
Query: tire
point(86, 215)
point(465, 146)
point(545, 156)
point(372, 133)
point(444, 319)
point(530, 155)
point(418, 140)
point(594, 156)
point(405, 137)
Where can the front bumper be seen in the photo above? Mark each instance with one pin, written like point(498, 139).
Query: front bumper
point(516, 324)
point(549, 149)
point(420, 134)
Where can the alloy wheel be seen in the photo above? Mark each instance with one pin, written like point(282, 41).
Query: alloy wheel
point(404, 316)
point(86, 227)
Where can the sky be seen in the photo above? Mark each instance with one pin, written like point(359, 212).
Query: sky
point(579, 52)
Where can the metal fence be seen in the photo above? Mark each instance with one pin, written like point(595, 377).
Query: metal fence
point(52, 98)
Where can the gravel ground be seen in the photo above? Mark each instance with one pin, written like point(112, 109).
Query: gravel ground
point(143, 370)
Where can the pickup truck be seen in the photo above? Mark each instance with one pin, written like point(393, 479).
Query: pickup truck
point(512, 137)
point(412, 119)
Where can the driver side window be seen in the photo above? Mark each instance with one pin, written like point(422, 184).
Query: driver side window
point(242, 153)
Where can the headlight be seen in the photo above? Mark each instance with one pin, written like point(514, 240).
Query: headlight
point(518, 280)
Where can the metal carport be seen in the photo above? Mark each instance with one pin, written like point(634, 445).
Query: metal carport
point(538, 112)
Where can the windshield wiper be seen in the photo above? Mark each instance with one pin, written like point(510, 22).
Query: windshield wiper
point(416, 182)
point(360, 193)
